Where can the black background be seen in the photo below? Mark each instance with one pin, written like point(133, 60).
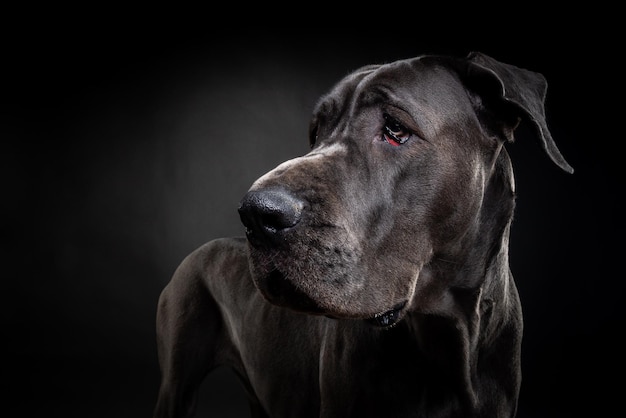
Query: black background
point(122, 151)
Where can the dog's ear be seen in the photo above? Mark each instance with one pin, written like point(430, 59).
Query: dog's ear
point(524, 90)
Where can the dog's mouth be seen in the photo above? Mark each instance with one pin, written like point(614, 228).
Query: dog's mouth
point(280, 291)
point(388, 318)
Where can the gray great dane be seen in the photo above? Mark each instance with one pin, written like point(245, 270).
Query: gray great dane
point(374, 279)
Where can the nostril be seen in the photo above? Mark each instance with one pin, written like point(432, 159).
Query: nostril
point(264, 213)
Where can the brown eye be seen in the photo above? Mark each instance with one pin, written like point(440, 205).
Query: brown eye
point(394, 132)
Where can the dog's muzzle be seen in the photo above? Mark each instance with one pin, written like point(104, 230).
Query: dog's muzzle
point(271, 216)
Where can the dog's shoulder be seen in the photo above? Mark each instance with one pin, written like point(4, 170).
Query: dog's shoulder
point(218, 256)
point(221, 265)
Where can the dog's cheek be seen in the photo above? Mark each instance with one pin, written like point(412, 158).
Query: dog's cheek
point(402, 246)
point(444, 198)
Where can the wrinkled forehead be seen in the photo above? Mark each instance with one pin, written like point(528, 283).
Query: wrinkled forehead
point(426, 87)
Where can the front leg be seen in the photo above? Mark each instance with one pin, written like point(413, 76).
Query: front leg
point(199, 318)
point(188, 324)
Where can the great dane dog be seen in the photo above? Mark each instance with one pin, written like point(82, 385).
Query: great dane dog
point(374, 279)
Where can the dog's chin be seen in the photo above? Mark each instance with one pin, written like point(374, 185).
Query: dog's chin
point(282, 292)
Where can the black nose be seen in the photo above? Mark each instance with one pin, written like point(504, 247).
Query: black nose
point(267, 213)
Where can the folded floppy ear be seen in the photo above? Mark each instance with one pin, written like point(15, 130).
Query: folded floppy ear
point(524, 90)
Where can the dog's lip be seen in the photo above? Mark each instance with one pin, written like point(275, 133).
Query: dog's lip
point(388, 318)
point(280, 291)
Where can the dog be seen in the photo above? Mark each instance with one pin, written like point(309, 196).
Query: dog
point(373, 280)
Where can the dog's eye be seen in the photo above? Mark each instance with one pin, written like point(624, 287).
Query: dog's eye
point(394, 132)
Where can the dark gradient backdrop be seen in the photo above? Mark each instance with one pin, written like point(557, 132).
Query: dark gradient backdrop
point(121, 154)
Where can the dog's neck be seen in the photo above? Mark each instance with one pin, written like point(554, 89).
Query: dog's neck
point(469, 276)
point(455, 313)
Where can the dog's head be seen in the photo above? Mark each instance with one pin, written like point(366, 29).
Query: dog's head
point(407, 189)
